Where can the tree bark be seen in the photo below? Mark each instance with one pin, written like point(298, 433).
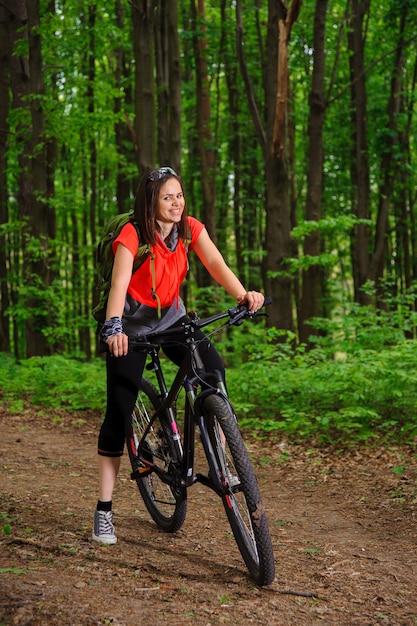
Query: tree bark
point(145, 118)
point(360, 240)
point(278, 282)
point(250, 94)
point(389, 167)
point(311, 282)
point(204, 135)
point(123, 137)
point(168, 81)
point(406, 198)
point(28, 92)
point(6, 53)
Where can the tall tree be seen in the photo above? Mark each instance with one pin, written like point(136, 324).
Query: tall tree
point(168, 83)
point(360, 241)
point(124, 133)
point(312, 281)
point(7, 34)
point(28, 90)
point(278, 211)
point(273, 140)
point(145, 113)
point(203, 118)
point(389, 166)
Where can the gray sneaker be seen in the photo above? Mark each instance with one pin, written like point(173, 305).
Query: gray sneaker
point(103, 531)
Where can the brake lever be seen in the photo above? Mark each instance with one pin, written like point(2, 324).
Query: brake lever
point(240, 313)
point(238, 318)
point(259, 314)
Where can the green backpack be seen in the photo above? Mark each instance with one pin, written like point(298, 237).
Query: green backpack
point(104, 261)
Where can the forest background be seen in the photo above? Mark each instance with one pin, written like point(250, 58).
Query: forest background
point(293, 126)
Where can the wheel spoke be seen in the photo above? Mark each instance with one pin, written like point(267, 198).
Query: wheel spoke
point(150, 455)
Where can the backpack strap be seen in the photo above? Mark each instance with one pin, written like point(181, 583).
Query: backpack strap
point(154, 294)
point(188, 237)
point(144, 251)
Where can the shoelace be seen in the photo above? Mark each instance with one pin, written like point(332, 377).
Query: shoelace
point(105, 523)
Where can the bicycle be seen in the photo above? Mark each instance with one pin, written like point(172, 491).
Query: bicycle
point(163, 462)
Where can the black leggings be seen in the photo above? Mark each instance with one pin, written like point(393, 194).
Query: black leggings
point(124, 375)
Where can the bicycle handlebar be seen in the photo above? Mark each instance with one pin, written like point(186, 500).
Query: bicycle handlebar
point(235, 314)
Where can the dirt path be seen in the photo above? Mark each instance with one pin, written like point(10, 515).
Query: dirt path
point(343, 527)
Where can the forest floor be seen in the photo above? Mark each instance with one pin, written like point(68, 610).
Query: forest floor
point(343, 524)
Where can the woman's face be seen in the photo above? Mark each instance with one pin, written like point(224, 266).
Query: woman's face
point(171, 202)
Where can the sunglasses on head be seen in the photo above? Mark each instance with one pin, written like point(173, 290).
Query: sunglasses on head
point(161, 172)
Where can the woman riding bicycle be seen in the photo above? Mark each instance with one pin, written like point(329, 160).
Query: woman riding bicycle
point(148, 300)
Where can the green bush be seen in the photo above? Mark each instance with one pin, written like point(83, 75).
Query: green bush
point(368, 395)
point(51, 382)
point(356, 384)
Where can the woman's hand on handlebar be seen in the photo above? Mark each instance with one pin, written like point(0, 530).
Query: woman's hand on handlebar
point(254, 300)
point(118, 344)
point(113, 334)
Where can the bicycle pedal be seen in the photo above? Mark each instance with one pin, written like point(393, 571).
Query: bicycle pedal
point(140, 472)
point(144, 470)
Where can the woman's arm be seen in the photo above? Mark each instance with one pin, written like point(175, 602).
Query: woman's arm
point(121, 275)
point(213, 261)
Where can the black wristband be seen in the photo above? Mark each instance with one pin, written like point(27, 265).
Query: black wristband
point(112, 326)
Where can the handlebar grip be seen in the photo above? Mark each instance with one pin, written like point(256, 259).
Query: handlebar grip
point(267, 301)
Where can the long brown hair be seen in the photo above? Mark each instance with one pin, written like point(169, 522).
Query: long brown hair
point(146, 203)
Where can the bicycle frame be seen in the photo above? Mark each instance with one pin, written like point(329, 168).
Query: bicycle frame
point(184, 477)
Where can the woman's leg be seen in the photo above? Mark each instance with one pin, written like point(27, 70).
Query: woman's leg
point(123, 380)
point(108, 468)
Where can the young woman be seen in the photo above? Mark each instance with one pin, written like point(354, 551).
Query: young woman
point(139, 303)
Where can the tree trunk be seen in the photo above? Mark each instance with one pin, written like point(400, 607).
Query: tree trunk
point(360, 240)
point(235, 145)
point(168, 81)
point(28, 91)
point(145, 121)
point(122, 133)
point(204, 136)
point(278, 281)
point(6, 53)
point(253, 107)
point(85, 289)
point(310, 296)
point(407, 194)
point(389, 167)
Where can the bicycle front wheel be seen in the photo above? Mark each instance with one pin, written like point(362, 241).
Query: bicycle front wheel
point(150, 454)
point(241, 499)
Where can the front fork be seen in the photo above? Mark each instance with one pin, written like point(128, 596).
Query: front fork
point(216, 479)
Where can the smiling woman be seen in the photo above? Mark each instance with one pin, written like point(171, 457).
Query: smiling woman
point(148, 300)
point(170, 206)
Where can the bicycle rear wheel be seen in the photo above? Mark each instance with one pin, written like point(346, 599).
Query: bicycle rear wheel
point(242, 500)
point(155, 452)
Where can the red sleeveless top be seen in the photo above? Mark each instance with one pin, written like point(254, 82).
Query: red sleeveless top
point(170, 266)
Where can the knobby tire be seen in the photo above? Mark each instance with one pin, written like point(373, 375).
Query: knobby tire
point(168, 510)
point(241, 499)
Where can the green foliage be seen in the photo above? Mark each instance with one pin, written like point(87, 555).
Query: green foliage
point(360, 396)
point(89, 106)
point(364, 327)
point(53, 382)
point(356, 385)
